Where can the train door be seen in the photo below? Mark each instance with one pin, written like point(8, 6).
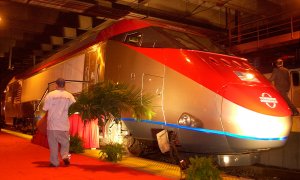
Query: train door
point(295, 88)
point(153, 85)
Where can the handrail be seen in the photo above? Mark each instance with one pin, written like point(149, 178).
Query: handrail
point(37, 107)
point(47, 90)
point(273, 17)
point(257, 30)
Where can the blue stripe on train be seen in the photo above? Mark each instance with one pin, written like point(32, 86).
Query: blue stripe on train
point(206, 130)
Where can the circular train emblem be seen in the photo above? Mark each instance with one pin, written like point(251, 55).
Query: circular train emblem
point(268, 99)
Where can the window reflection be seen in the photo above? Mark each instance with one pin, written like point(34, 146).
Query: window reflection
point(158, 37)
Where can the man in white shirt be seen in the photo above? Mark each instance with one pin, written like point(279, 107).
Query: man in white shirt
point(57, 104)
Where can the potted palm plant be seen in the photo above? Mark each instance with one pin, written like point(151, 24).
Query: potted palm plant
point(106, 101)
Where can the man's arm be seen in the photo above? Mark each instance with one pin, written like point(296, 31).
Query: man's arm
point(71, 100)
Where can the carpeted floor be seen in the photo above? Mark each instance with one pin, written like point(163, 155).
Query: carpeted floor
point(20, 159)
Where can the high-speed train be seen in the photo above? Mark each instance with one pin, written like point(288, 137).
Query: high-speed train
point(214, 102)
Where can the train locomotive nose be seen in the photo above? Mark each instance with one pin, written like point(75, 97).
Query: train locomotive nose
point(255, 117)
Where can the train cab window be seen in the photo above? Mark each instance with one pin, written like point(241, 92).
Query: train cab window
point(153, 38)
point(295, 78)
point(159, 37)
point(193, 41)
point(148, 37)
point(134, 38)
point(208, 44)
point(185, 40)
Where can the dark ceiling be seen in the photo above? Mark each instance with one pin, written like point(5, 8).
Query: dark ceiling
point(31, 30)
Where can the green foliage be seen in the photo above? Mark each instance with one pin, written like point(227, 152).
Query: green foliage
point(76, 144)
point(112, 152)
point(109, 99)
point(202, 168)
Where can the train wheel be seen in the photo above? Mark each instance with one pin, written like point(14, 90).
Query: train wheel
point(133, 146)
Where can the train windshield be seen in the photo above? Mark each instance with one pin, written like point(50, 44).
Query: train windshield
point(158, 37)
point(192, 41)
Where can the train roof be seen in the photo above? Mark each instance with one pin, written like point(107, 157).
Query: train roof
point(133, 24)
point(98, 34)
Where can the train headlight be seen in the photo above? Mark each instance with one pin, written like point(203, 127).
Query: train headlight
point(188, 120)
point(246, 76)
point(226, 160)
point(184, 120)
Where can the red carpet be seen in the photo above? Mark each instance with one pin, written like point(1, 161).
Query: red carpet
point(20, 159)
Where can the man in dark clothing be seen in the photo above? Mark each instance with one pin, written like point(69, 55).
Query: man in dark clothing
point(282, 82)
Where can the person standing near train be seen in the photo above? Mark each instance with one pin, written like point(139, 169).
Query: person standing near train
point(282, 82)
point(57, 104)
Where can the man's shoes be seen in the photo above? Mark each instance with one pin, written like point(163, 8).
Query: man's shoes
point(52, 165)
point(66, 161)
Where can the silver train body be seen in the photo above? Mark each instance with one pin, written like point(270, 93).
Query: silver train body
point(199, 95)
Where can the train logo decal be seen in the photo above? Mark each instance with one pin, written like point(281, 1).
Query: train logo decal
point(268, 99)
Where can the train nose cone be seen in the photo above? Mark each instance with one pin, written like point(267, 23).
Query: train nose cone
point(260, 99)
point(254, 114)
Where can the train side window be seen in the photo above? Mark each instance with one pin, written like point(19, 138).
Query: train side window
point(153, 37)
point(149, 37)
point(134, 39)
point(295, 78)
